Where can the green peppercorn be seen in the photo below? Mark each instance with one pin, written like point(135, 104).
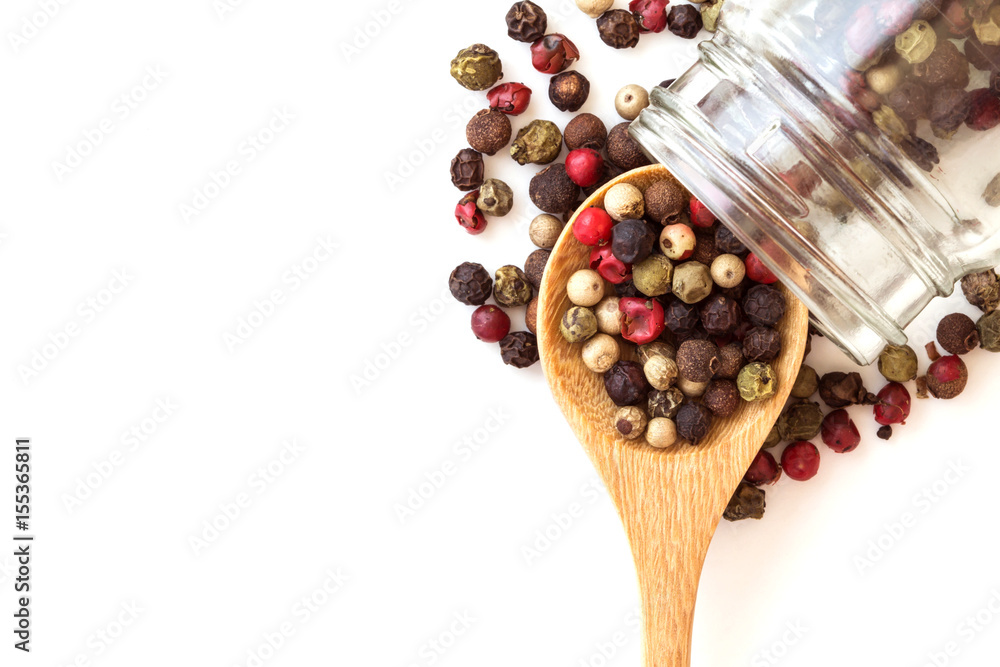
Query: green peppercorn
point(477, 67)
point(511, 287)
point(801, 421)
point(578, 324)
point(806, 383)
point(538, 142)
point(989, 331)
point(898, 363)
point(710, 14)
point(665, 403)
point(495, 197)
point(773, 438)
point(692, 282)
point(757, 381)
point(748, 501)
point(653, 276)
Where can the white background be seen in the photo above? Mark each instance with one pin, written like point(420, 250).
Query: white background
point(330, 512)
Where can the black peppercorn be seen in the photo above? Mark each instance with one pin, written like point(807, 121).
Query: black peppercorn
point(471, 284)
point(801, 421)
point(628, 289)
point(632, 241)
point(519, 349)
point(764, 305)
point(467, 170)
point(681, 318)
point(684, 21)
point(526, 22)
point(704, 249)
point(488, 131)
point(949, 109)
point(585, 131)
point(727, 243)
point(624, 152)
point(982, 290)
point(909, 100)
point(720, 315)
point(552, 190)
point(626, 383)
point(731, 360)
point(665, 403)
point(618, 29)
point(957, 333)
point(693, 421)
point(569, 91)
point(697, 360)
point(762, 344)
point(747, 503)
point(884, 432)
point(839, 390)
point(722, 398)
point(534, 266)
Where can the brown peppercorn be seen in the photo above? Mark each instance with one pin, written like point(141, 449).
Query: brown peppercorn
point(531, 316)
point(470, 283)
point(909, 100)
point(488, 131)
point(957, 333)
point(982, 290)
point(806, 382)
point(684, 21)
point(511, 287)
point(477, 67)
point(693, 421)
point(552, 190)
point(526, 22)
point(467, 169)
point(618, 29)
point(534, 266)
point(538, 142)
point(722, 398)
point(748, 500)
point(949, 109)
point(762, 344)
point(801, 421)
point(624, 152)
point(665, 201)
point(665, 403)
point(945, 65)
point(585, 131)
point(569, 91)
point(982, 56)
point(626, 383)
point(697, 360)
point(519, 349)
point(704, 249)
point(731, 360)
point(720, 315)
point(839, 390)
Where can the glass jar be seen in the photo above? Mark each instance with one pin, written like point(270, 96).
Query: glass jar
point(850, 145)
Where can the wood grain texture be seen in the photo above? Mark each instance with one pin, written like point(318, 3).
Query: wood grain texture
point(670, 500)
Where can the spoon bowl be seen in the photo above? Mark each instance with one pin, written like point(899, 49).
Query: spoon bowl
point(670, 500)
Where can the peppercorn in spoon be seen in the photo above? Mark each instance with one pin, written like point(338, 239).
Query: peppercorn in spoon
point(670, 500)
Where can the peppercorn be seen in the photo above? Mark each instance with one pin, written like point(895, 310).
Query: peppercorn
point(957, 333)
point(917, 42)
point(988, 327)
point(677, 241)
point(747, 501)
point(544, 230)
point(569, 91)
point(490, 324)
point(623, 151)
point(632, 241)
point(692, 282)
point(538, 142)
point(585, 288)
point(945, 66)
point(681, 318)
point(553, 53)
point(992, 192)
point(982, 289)
point(924, 153)
point(909, 100)
point(624, 201)
point(720, 315)
point(488, 131)
point(839, 390)
point(722, 398)
point(467, 169)
point(728, 271)
point(519, 349)
point(630, 100)
point(726, 242)
point(773, 438)
point(884, 432)
point(697, 360)
point(534, 267)
point(800, 460)
point(650, 14)
point(552, 190)
point(987, 28)
point(665, 403)
point(657, 348)
point(526, 22)
point(801, 421)
point(731, 360)
point(661, 372)
point(509, 98)
point(495, 197)
point(594, 8)
point(806, 382)
point(710, 14)
point(511, 287)
point(477, 67)
point(627, 289)
point(608, 316)
point(704, 248)
point(585, 167)
point(684, 21)
point(946, 377)
point(661, 432)
point(948, 110)
point(995, 82)
point(618, 29)
point(762, 344)
point(585, 131)
point(653, 276)
point(665, 201)
point(757, 381)
point(984, 112)
point(470, 283)
point(891, 124)
point(468, 215)
point(883, 79)
point(578, 324)
point(531, 316)
point(600, 353)
point(693, 421)
point(630, 422)
point(626, 383)
point(981, 56)
point(690, 388)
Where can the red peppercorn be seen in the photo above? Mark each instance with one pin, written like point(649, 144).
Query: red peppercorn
point(593, 227)
point(553, 53)
point(584, 166)
point(469, 215)
point(610, 267)
point(650, 14)
point(510, 98)
point(839, 432)
point(863, 34)
point(893, 405)
point(757, 272)
point(800, 460)
point(700, 215)
point(985, 111)
point(643, 321)
point(763, 470)
point(490, 324)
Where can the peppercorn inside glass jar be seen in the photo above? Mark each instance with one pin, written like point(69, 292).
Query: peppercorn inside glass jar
point(851, 145)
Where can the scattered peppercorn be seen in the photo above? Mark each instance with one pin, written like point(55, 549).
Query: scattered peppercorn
point(519, 349)
point(763, 470)
point(773, 438)
point(757, 381)
point(916, 43)
point(569, 91)
point(839, 390)
point(988, 327)
point(467, 169)
point(509, 98)
point(661, 372)
point(710, 13)
point(538, 142)
point(726, 242)
point(693, 421)
point(594, 8)
point(697, 360)
point(626, 383)
point(764, 305)
point(488, 131)
point(630, 100)
point(585, 167)
point(898, 363)
point(722, 398)
point(806, 382)
point(681, 318)
point(526, 22)
point(684, 21)
point(839, 432)
point(468, 214)
point(624, 201)
point(470, 283)
point(661, 432)
point(801, 421)
point(957, 333)
point(981, 56)
point(585, 288)
point(618, 29)
point(747, 501)
point(490, 324)
point(800, 460)
point(585, 131)
point(884, 432)
point(544, 230)
point(946, 377)
point(511, 287)
point(893, 406)
point(531, 316)
point(552, 190)
point(477, 67)
point(623, 151)
point(949, 109)
point(495, 197)
point(728, 271)
point(984, 112)
point(553, 53)
point(704, 248)
point(534, 266)
point(909, 100)
point(600, 353)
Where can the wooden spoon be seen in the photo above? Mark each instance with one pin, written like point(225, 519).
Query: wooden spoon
point(670, 500)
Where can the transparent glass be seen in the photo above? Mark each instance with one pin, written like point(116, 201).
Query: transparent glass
point(802, 127)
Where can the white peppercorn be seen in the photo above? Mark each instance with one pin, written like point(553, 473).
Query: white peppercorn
point(661, 372)
point(544, 230)
point(608, 316)
point(594, 8)
point(691, 389)
point(630, 100)
point(585, 288)
point(728, 270)
point(624, 202)
point(656, 348)
point(600, 353)
point(661, 432)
